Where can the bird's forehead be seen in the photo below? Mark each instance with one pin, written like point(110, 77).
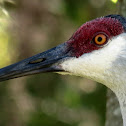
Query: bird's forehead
point(109, 25)
point(81, 39)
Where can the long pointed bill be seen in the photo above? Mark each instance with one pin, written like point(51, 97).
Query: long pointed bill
point(48, 61)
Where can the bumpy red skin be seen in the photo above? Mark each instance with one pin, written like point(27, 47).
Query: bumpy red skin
point(82, 40)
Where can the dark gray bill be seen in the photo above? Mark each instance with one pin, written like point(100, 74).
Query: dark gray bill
point(47, 61)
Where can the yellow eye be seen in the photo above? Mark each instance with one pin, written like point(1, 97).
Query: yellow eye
point(100, 39)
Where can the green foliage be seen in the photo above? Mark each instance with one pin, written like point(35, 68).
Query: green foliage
point(40, 119)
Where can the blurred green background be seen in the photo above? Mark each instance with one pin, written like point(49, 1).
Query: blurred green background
point(28, 27)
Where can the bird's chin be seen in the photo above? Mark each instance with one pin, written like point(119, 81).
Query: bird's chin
point(64, 73)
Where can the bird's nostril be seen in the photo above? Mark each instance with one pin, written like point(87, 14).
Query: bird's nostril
point(37, 61)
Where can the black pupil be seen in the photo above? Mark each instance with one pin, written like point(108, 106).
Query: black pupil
point(99, 39)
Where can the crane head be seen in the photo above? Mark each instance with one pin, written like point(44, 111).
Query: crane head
point(93, 51)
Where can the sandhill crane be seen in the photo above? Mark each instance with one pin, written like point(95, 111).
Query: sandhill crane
point(97, 50)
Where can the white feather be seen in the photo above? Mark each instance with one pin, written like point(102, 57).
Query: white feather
point(106, 65)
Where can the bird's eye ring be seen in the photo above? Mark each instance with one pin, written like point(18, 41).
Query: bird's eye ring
point(100, 39)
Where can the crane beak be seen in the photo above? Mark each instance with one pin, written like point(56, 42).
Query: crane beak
point(48, 61)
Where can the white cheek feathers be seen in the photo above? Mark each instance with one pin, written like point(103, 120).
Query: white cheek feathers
point(98, 65)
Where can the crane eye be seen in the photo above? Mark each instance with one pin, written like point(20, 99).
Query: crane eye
point(100, 39)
